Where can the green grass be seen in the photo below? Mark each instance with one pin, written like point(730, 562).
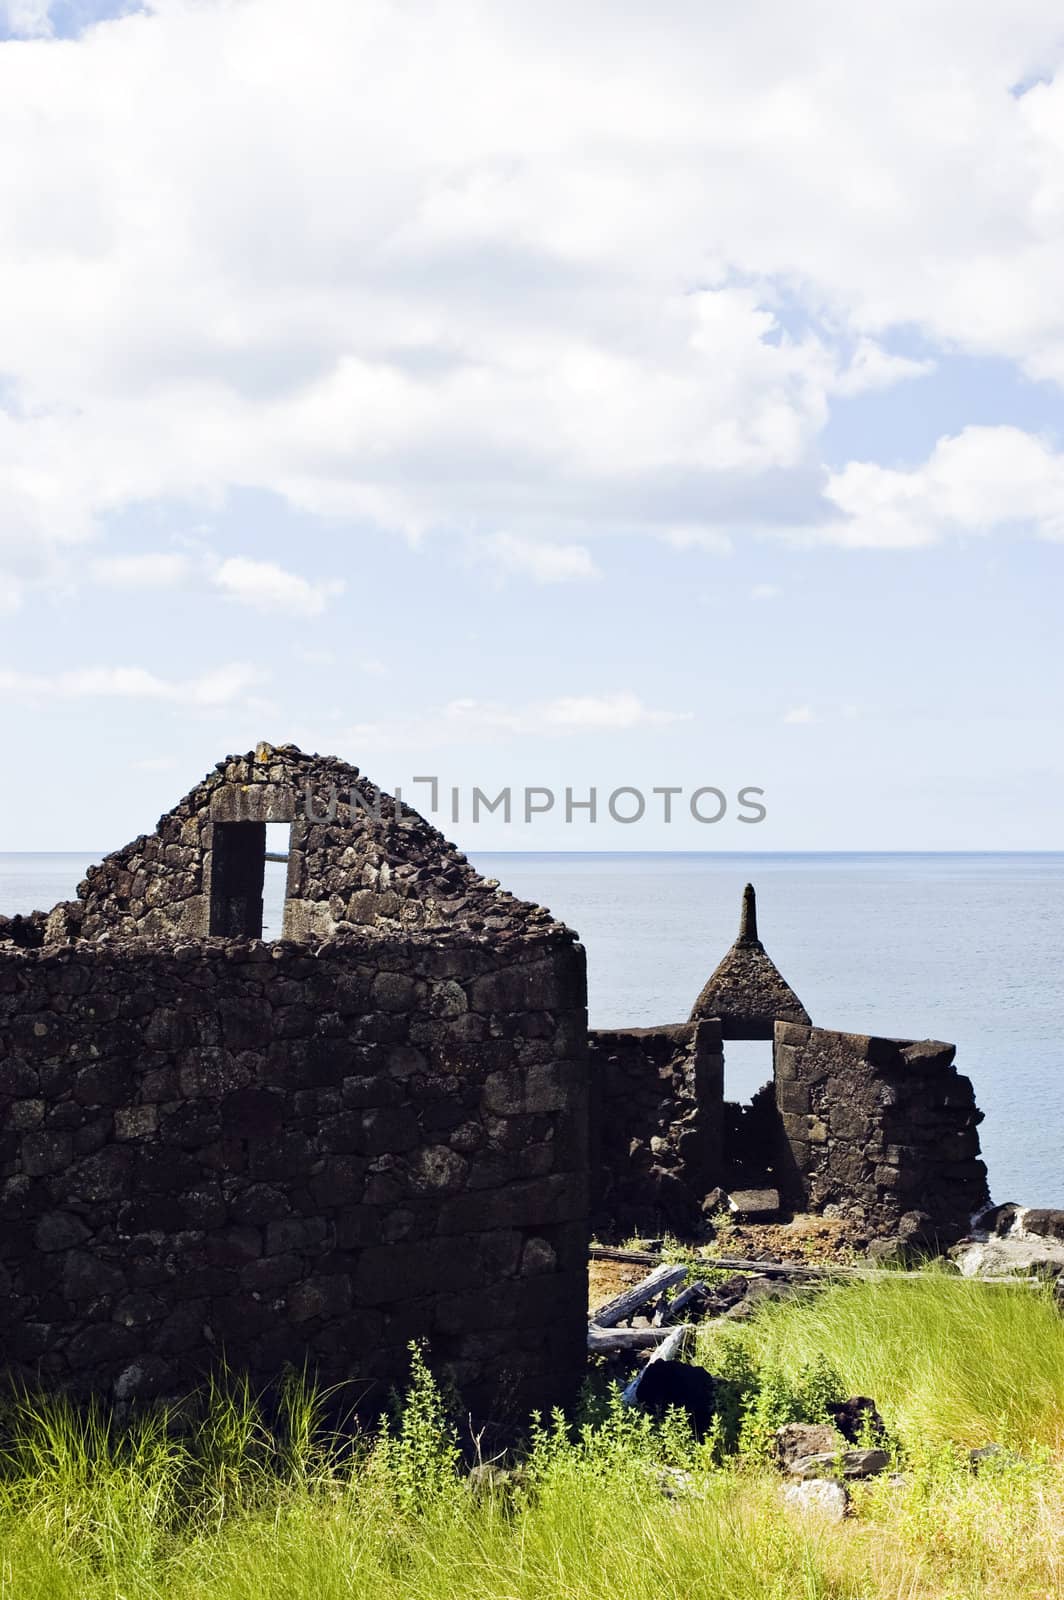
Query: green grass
point(946, 1358)
point(225, 1507)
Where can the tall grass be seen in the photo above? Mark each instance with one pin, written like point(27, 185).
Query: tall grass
point(945, 1358)
point(232, 1506)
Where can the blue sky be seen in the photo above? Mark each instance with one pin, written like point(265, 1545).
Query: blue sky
point(530, 397)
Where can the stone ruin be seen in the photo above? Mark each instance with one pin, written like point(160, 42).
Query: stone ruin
point(881, 1133)
point(392, 1122)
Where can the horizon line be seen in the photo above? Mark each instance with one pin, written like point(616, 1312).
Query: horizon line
point(496, 851)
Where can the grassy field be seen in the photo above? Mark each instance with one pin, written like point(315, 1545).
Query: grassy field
point(605, 1505)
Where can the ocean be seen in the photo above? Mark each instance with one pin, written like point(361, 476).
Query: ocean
point(968, 948)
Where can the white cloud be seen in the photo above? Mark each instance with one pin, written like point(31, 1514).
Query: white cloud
point(468, 719)
point(263, 585)
point(26, 19)
point(267, 587)
point(766, 591)
point(607, 711)
point(694, 538)
point(799, 715)
point(149, 571)
point(219, 687)
point(540, 560)
point(373, 277)
point(872, 367)
point(980, 481)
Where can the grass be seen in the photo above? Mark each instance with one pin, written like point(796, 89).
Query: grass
point(610, 1504)
point(946, 1358)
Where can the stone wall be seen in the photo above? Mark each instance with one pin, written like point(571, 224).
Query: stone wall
point(272, 1153)
point(656, 1097)
point(880, 1131)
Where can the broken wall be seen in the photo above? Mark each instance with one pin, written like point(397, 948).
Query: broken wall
point(877, 1130)
point(657, 1120)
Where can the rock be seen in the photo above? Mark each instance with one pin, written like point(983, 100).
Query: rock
point(889, 1252)
point(733, 1289)
point(676, 1484)
point(676, 1383)
point(848, 1463)
point(856, 1416)
point(819, 1497)
point(759, 1290)
point(998, 1220)
point(993, 1455)
point(754, 1205)
point(1014, 1222)
point(917, 1228)
point(802, 1439)
point(1044, 1224)
point(997, 1258)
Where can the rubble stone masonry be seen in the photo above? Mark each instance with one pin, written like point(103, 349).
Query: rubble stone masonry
point(270, 1153)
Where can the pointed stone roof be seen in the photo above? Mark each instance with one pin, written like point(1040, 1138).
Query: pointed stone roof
point(747, 991)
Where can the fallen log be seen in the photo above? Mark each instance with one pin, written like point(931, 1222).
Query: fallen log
point(786, 1269)
point(693, 1299)
point(609, 1252)
point(611, 1341)
point(605, 1252)
point(624, 1306)
point(790, 1269)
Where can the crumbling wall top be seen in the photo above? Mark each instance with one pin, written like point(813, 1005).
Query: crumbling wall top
point(357, 859)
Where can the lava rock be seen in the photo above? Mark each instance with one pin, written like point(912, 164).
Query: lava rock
point(857, 1416)
point(798, 1440)
point(847, 1463)
point(676, 1383)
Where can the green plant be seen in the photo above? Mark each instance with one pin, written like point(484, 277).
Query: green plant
point(723, 1223)
point(416, 1455)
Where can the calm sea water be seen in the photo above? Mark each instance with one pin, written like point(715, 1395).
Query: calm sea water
point(968, 948)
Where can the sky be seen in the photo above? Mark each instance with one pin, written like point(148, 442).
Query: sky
point(623, 398)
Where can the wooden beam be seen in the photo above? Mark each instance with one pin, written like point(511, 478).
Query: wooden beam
point(624, 1306)
point(609, 1341)
point(789, 1269)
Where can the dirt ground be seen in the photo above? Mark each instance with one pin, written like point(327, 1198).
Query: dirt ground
point(805, 1239)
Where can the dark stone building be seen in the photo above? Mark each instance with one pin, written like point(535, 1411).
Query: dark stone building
point(391, 1122)
point(316, 1149)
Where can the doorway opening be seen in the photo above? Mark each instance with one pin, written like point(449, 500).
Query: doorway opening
point(249, 874)
point(237, 867)
point(747, 1068)
point(750, 1115)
